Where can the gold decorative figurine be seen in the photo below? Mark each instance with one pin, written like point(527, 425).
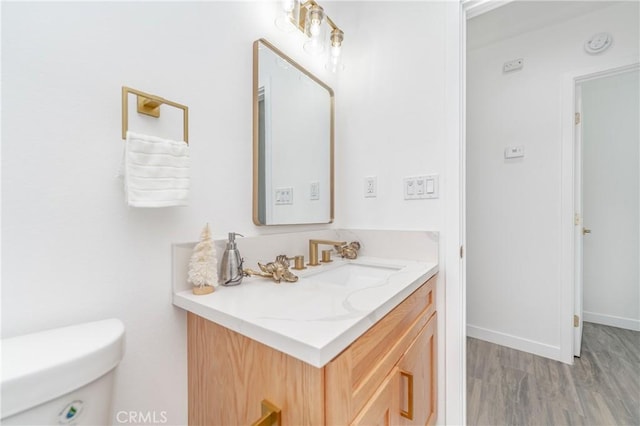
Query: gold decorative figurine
point(277, 270)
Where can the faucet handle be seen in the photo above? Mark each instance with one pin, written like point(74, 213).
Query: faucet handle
point(298, 262)
point(326, 256)
point(349, 251)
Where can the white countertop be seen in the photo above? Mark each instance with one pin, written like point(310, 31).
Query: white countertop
point(310, 320)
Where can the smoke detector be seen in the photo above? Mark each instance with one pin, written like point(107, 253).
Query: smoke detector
point(598, 43)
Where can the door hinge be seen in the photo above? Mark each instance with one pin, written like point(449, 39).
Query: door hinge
point(576, 321)
point(576, 219)
point(461, 252)
point(577, 118)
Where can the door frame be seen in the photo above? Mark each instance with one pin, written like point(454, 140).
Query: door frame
point(570, 259)
point(453, 410)
point(453, 245)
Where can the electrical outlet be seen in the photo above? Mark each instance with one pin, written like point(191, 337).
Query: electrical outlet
point(370, 187)
point(514, 65)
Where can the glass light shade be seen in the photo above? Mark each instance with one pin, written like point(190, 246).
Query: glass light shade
point(285, 18)
point(314, 20)
point(314, 46)
point(335, 64)
point(315, 29)
point(335, 61)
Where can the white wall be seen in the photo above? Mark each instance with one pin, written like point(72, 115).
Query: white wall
point(391, 116)
point(611, 182)
point(73, 252)
point(400, 78)
point(513, 213)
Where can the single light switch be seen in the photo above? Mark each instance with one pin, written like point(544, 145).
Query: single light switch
point(314, 191)
point(430, 186)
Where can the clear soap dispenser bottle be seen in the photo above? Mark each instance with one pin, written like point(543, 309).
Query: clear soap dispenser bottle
point(231, 265)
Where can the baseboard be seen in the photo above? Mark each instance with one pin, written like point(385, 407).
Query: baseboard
point(613, 321)
point(515, 342)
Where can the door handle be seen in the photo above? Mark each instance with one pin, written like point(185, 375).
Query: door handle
point(586, 231)
point(409, 413)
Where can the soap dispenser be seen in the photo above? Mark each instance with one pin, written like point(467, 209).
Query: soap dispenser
point(231, 265)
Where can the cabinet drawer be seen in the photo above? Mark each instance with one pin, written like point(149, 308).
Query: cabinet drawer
point(353, 376)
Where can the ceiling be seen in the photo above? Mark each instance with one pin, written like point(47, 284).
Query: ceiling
point(521, 16)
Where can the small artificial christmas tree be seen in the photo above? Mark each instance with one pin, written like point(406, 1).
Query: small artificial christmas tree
point(203, 264)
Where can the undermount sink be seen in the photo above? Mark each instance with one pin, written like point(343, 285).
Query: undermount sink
point(355, 275)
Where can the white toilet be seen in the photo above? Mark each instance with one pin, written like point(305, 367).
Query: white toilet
point(61, 376)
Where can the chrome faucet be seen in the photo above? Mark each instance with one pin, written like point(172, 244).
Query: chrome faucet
point(313, 249)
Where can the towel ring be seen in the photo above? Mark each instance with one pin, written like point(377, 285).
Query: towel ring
point(150, 105)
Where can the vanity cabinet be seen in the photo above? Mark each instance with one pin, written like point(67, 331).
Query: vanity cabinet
point(387, 376)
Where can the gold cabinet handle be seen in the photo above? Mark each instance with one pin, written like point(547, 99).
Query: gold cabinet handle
point(586, 231)
point(409, 413)
point(270, 415)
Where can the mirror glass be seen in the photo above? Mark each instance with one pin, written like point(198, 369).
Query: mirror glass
point(293, 121)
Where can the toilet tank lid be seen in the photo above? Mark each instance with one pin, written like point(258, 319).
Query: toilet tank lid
point(42, 366)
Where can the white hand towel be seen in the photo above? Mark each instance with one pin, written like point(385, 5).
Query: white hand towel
point(156, 171)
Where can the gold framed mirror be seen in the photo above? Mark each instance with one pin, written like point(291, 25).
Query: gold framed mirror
point(293, 141)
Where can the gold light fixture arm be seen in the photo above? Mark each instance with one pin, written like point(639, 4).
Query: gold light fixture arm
point(150, 105)
point(299, 16)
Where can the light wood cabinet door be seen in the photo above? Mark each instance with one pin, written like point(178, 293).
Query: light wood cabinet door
point(417, 379)
point(230, 374)
point(382, 409)
point(357, 373)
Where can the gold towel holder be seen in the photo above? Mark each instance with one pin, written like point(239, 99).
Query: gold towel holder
point(150, 105)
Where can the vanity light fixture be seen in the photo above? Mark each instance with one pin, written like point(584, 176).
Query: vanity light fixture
point(309, 18)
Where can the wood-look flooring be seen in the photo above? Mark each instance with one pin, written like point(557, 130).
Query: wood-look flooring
point(509, 387)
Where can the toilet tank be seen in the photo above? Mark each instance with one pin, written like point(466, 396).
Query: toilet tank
point(61, 376)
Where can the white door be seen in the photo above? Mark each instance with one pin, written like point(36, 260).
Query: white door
point(610, 200)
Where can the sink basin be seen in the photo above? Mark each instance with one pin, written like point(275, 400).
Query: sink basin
point(355, 275)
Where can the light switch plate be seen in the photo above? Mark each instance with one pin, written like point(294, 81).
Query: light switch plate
point(420, 187)
point(284, 196)
point(514, 152)
point(314, 191)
